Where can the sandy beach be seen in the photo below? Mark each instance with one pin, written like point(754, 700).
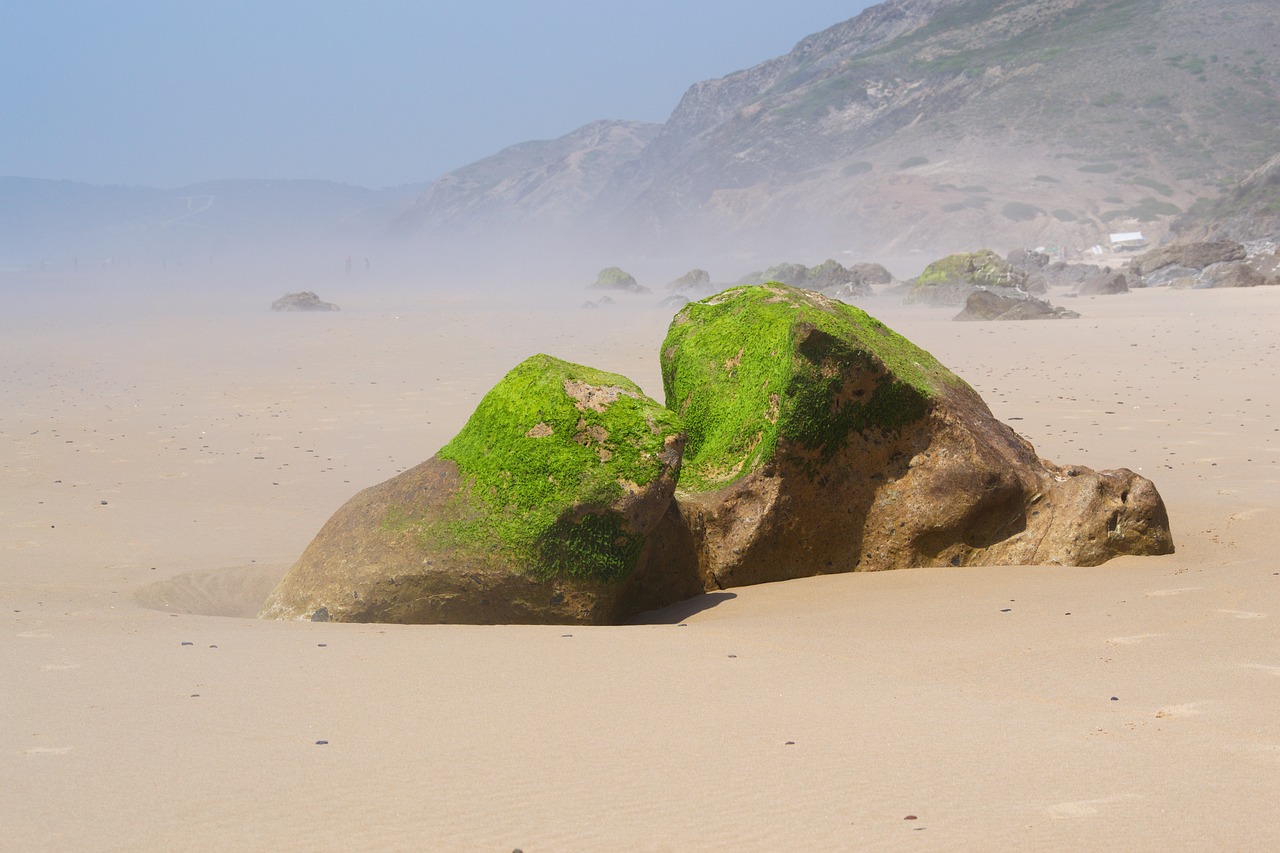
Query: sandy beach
point(163, 462)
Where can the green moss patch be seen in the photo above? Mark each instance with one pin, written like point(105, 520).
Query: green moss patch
point(546, 458)
point(983, 268)
point(614, 278)
point(754, 366)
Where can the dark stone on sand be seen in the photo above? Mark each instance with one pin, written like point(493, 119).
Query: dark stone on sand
point(1010, 304)
point(302, 301)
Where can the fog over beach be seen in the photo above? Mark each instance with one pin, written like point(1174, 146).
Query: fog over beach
point(170, 445)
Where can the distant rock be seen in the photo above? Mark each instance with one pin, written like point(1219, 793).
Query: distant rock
point(540, 510)
point(1028, 260)
point(303, 301)
point(1194, 256)
point(613, 278)
point(1063, 274)
point(675, 302)
point(950, 280)
point(869, 273)
point(695, 284)
point(1174, 275)
point(829, 277)
point(1104, 284)
point(1229, 275)
point(694, 279)
point(820, 441)
point(985, 304)
point(1264, 256)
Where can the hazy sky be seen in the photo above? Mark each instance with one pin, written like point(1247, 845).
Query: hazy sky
point(376, 93)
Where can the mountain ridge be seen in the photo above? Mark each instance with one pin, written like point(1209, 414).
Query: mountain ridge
point(933, 125)
point(915, 129)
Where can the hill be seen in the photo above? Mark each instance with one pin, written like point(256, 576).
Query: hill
point(928, 126)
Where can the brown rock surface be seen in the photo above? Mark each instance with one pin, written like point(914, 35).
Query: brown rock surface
point(1230, 275)
point(1104, 284)
point(541, 510)
point(304, 300)
point(1193, 255)
point(985, 304)
point(921, 474)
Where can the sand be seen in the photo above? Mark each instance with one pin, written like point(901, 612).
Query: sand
point(163, 461)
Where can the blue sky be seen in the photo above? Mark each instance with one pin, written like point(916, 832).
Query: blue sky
point(376, 93)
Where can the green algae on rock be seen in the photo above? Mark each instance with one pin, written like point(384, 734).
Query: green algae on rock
point(538, 511)
point(557, 457)
point(950, 280)
point(756, 365)
point(983, 267)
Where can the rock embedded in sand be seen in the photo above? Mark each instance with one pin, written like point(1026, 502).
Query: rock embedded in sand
point(1104, 283)
point(985, 304)
point(540, 510)
point(820, 441)
point(302, 301)
point(806, 436)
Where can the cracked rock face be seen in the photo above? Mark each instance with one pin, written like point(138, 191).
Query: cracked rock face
point(910, 468)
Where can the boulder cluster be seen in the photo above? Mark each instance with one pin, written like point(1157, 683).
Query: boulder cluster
point(800, 436)
point(1207, 264)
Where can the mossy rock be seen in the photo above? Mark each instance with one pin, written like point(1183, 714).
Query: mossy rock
point(820, 441)
point(983, 268)
point(538, 511)
point(614, 278)
point(951, 280)
point(757, 367)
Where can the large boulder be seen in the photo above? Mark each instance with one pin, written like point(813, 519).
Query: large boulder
point(543, 509)
point(1195, 256)
point(820, 441)
point(304, 300)
point(986, 304)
